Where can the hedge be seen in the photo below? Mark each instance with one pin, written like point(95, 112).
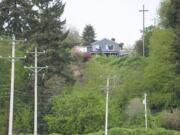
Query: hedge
point(125, 131)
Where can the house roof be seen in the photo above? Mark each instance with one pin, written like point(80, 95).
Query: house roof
point(104, 41)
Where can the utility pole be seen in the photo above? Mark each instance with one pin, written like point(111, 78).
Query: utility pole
point(145, 109)
point(12, 87)
point(36, 69)
point(107, 98)
point(107, 90)
point(143, 11)
point(13, 60)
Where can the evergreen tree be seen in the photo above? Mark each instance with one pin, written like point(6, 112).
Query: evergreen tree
point(88, 35)
point(176, 5)
point(16, 17)
point(167, 14)
point(50, 36)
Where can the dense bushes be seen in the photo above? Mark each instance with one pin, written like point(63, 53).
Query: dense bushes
point(79, 112)
point(134, 108)
point(123, 131)
point(171, 120)
point(81, 108)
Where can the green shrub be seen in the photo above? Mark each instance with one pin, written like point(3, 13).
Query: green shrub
point(171, 120)
point(123, 131)
point(134, 108)
point(55, 134)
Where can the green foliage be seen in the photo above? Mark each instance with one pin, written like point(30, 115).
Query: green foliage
point(167, 14)
point(88, 35)
point(80, 109)
point(161, 45)
point(22, 108)
point(45, 29)
point(2, 122)
point(139, 43)
point(81, 112)
point(148, 34)
point(124, 131)
point(73, 37)
point(50, 36)
point(16, 17)
point(134, 109)
point(139, 47)
point(160, 70)
point(131, 72)
point(170, 18)
point(23, 117)
point(171, 120)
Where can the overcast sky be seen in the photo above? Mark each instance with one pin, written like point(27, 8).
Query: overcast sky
point(119, 19)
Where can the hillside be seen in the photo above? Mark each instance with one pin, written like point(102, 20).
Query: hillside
point(81, 108)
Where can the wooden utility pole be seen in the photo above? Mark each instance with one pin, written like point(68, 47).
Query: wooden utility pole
point(35, 70)
point(145, 110)
point(143, 11)
point(11, 106)
point(107, 98)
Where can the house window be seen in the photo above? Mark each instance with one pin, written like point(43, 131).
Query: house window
point(97, 47)
point(110, 47)
point(107, 48)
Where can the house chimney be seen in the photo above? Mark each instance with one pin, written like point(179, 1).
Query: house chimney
point(121, 45)
point(113, 39)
